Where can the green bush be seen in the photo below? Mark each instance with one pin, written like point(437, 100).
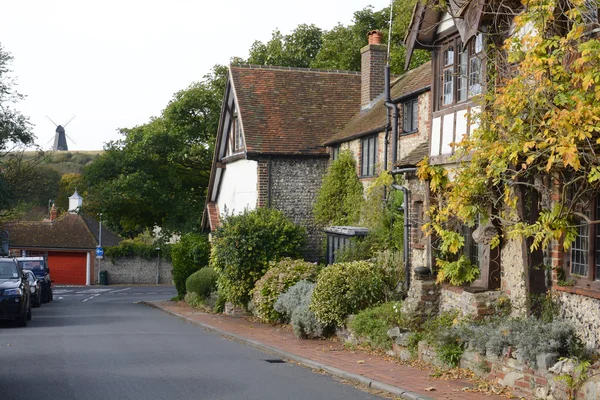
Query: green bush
point(372, 324)
point(280, 276)
point(188, 255)
point(346, 288)
point(202, 282)
point(341, 195)
point(298, 295)
point(245, 244)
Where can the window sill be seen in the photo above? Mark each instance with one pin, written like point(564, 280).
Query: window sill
point(404, 133)
point(595, 294)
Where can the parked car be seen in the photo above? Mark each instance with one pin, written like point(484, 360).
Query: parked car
point(35, 287)
point(15, 296)
point(39, 267)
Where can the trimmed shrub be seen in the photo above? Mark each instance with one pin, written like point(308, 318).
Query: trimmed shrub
point(245, 244)
point(346, 288)
point(202, 282)
point(298, 295)
point(280, 276)
point(188, 256)
point(306, 325)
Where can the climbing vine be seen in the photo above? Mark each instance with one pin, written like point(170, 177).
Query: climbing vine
point(537, 135)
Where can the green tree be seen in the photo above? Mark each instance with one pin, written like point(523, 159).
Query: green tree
point(340, 198)
point(189, 254)
point(297, 49)
point(15, 129)
point(68, 184)
point(158, 173)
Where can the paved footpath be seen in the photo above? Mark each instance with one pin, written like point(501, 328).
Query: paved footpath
point(373, 371)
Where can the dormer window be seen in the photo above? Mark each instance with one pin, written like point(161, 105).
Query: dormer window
point(460, 70)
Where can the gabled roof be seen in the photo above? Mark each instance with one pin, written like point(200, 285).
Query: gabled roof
point(69, 231)
point(374, 119)
point(293, 111)
point(422, 31)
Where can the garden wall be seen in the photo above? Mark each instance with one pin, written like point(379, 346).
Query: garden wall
point(468, 301)
point(134, 271)
point(584, 313)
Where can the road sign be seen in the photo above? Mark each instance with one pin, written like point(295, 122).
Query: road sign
point(99, 252)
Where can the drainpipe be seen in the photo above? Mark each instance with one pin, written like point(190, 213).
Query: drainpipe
point(392, 107)
point(405, 250)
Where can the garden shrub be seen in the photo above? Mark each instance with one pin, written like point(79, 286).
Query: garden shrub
point(530, 337)
point(193, 299)
point(278, 278)
point(442, 332)
point(341, 195)
point(306, 325)
point(296, 296)
point(245, 244)
point(188, 256)
point(372, 324)
point(293, 307)
point(202, 282)
point(346, 288)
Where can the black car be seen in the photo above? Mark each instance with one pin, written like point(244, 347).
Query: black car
point(15, 296)
point(38, 266)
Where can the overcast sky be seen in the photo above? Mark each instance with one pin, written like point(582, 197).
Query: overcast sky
point(117, 63)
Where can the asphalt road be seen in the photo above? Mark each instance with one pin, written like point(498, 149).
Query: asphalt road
point(98, 343)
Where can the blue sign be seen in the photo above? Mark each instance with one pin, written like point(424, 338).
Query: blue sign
point(99, 252)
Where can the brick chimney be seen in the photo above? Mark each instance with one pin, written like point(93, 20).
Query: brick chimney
point(53, 213)
point(373, 59)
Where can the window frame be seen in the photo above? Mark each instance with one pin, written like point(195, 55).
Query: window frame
point(335, 152)
point(410, 109)
point(591, 280)
point(238, 138)
point(368, 168)
point(455, 73)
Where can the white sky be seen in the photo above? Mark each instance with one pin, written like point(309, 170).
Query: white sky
point(117, 63)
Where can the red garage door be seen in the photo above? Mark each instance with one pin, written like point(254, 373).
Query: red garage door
point(67, 268)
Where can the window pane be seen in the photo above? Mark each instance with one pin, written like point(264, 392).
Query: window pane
point(415, 115)
point(365, 157)
point(579, 250)
point(478, 43)
point(475, 76)
point(463, 60)
point(405, 117)
point(448, 86)
point(449, 56)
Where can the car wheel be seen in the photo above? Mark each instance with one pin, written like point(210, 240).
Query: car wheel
point(29, 312)
point(22, 320)
point(38, 301)
point(51, 295)
point(44, 296)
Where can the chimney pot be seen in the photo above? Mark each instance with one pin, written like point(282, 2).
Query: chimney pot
point(53, 213)
point(375, 36)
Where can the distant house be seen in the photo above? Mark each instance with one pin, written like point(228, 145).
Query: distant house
point(269, 149)
point(69, 243)
point(369, 136)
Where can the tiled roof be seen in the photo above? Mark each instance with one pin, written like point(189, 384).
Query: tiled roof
point(414, 156)
point(293, 110)
point(374, 119)
point(69, 231)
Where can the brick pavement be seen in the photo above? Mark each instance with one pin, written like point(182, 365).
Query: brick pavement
point(330, 353)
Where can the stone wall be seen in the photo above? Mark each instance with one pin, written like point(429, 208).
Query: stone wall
point(295, 183)
point(514, 275)
point(584, 313)
point(468, 303)
point(133, 271)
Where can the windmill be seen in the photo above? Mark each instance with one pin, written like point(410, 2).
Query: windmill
point(60, 139)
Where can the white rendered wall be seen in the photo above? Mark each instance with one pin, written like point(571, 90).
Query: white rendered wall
point(436, 136)
point(238, 187)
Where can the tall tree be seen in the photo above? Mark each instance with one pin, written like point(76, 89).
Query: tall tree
point(15, 130)
point(158, 173)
